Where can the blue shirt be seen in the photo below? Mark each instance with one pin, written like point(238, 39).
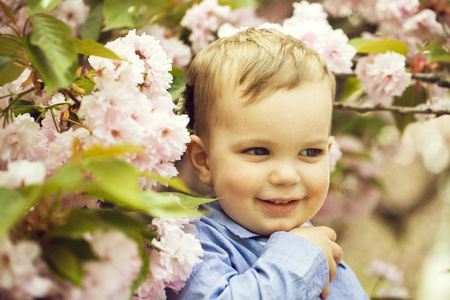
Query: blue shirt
point(239, 264)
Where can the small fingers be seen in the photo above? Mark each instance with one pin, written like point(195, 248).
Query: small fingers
point(329, 232)
point(338, 253)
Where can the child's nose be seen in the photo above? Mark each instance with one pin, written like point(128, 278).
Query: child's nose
point(284, 175)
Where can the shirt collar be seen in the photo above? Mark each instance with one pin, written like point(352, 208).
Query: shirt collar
point(217, 214)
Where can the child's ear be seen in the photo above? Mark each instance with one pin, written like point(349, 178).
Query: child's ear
point(330, 143)
point(199, 159)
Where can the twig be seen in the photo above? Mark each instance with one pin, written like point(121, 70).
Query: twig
point(427, 77)
point(398, 109)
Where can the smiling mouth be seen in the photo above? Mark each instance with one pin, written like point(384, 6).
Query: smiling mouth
point(280, 201)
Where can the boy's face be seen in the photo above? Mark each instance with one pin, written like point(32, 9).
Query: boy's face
point(269, 160)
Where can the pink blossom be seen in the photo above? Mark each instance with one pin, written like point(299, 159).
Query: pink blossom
point(21, 266)
point(176, 50)
point(335, 153)
point(383, 76)
point(399, 10)
point(61, 148)
point(386, 271)
point(172, 136)
point(116, 119)
point(153, 287)
point(245, 17)
point(21, 173)
point(331, 44)
point(203, 20)
point(72, 12)
point(341, 8)
point(115, 75)
point(338, 53)
point(423, 25)
point(156, 63)
point(21, 139)
point(176, 252)
point(305, 11)
point(111, 276)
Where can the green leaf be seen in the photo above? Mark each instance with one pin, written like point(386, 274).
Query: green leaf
point(175, 183)
point(92, 26)
point(11, 50)
point(410, 98)
point(120, 13)
point(351, 87)
point(63, 261)
point(13, 206)
point(178, 85)
point(85, 83)
point(115, 181)
point(98, 150)
point(66, 180)
point(8, 70)
point(189, 201)
point(166, 205)
point(238, 3)
point(145, 268)
point(77, 224)
point(89, 47)
point(378, 46)
point(438, 54)
point(37, 6)
point(120, 220)
point(49, 46)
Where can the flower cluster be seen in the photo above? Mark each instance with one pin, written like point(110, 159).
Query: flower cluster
point(383, 76)
point(132, 104)
point(173, 255)
point(309, 24)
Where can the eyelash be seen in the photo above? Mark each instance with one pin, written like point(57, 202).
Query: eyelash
point(259, 151)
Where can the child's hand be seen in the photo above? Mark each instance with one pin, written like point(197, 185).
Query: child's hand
point(324, 237)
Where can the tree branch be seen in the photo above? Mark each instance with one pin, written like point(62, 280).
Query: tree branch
point(398, 109)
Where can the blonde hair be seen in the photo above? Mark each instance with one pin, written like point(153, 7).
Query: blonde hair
point(256, 62)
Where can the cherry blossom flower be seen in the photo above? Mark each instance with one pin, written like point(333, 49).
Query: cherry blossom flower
point(304, 11)
point(423, 25)
point(22, 172)
point(111, 276)
point(245, 17)
point(203, 20)
point(383, 76)
point(115, 75)
point(20, 277)
point(156, 63)
point(176, 50)
point(21, 140)
point(309, 24)
point(176, 252)
point(61, 148)
point(399, 10)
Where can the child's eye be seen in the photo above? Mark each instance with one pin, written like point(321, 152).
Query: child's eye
point(257, 151)
point(311, 152)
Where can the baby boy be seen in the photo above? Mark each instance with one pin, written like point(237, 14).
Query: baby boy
point(262, 106)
